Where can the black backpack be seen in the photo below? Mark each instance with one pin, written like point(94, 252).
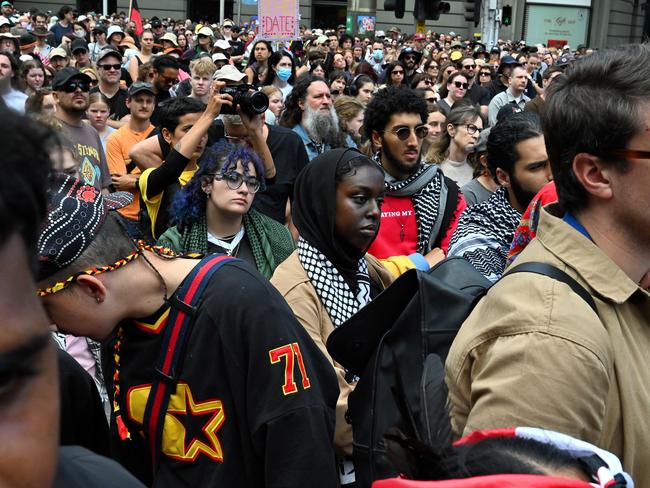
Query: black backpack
point(397, 345)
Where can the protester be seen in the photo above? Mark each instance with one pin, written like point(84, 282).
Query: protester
point(362, 88)
point(566, 354)
point(213, 212)
point(517, 160)
point(416, 221)
point(336, 210)
point(250, 406)
point(311, 115)
point(276, 104)
point(258, 62)
point(453, 92)
point(9, 73)
point(436, 124)
point(482, 185)
point(98, 113)
point(462, 130)
point(350, 115)
point(124, 173)
point(71, 95)
point(282, 73)
point(395, 74)
point(514, 95)
point(145, 54)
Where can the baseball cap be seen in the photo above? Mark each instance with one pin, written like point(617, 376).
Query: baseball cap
point(6, 4)
point(78, 44)
point(564, 60)
point(219, 57)
point(109, 51)
point(205, 31)
point(227, 23)
point(379, 34)
point(76, 213)
point(222, 44)
point(139, 87)
point(81, 18)
point(228, 72)
point(155, 22)
point(321, 40)
point(65, 75)
point(100, 28)
point(419, 37)
point(58, 51)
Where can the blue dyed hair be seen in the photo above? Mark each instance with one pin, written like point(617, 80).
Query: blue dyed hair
point(189, 204)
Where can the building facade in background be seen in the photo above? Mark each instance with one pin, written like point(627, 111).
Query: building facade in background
point(595, 23)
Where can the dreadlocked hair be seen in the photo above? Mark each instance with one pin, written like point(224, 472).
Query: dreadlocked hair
point(189, 204)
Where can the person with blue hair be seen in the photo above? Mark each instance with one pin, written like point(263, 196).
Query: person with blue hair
point(213, 214)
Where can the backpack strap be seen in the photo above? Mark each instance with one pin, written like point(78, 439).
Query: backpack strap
point(184, 304)
point(450, 205)
point(556, 274)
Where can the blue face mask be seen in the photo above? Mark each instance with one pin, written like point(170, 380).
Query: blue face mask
point(378, 54)
point(284, 73)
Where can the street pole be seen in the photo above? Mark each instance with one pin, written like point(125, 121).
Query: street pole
point(222, 11)
point(490, 23)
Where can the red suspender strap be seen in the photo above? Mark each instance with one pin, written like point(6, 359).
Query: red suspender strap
point(184, 305)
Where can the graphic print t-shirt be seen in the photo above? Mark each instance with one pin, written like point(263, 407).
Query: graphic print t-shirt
point(93, 169)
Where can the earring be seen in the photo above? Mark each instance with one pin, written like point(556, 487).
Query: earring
point(99, 300)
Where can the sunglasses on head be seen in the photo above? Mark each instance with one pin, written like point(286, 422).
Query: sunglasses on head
point(71, 86)
point(459, 84)
point(110, 66)
point(403, 133)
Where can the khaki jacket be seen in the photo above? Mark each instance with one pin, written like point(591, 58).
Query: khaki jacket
point(291, 280)
point(533, 353)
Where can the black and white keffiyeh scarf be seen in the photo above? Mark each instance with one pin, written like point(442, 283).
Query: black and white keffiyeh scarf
point(339, 300)
point(484, 234)
point(425, 187)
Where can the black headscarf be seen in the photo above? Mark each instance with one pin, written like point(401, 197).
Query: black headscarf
point(314, 211)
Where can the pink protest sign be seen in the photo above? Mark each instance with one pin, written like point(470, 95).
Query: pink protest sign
point(279, 19)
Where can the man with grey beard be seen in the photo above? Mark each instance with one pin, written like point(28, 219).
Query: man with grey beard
point(311, 115)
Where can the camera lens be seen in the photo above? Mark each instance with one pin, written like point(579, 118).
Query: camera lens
point(257, 102)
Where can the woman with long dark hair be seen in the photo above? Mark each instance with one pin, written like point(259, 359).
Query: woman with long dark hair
point(213, 212)
point(258, 61)
point(395, 73)
point(281, 73)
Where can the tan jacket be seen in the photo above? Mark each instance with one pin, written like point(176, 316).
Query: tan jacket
point(533, 353)
point(292, 282)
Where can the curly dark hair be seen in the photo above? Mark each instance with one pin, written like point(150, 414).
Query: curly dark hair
point(392, 100)
point(189, 204)
point(292, 114)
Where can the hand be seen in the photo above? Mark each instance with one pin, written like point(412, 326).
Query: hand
point(217, 100)
point(252, 123)
point(434, 256)
point(124, 182)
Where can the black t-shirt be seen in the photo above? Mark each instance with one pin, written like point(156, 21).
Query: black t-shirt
point(160, 98)
point(495, 87)
point(116, 104)
point(479, 95)
point(290, 157)
point(255, 401)
point(80, 468)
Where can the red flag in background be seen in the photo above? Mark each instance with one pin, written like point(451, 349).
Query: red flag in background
point(135, 16)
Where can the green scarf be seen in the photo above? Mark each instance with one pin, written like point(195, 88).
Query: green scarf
point(271, 243)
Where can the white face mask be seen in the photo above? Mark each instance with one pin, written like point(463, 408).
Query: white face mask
point(80, 34)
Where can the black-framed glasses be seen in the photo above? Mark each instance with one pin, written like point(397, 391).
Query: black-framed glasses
point(485, 73)
point(235, 180)
point(397, 72)
point(106, 67)
point(462, 85)
point(471, 128)
point(403, 133)
point(469, 66)
point(71, 86)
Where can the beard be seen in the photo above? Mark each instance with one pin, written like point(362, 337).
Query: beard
point(399, 165)
point(320, 126)
point(523, 196)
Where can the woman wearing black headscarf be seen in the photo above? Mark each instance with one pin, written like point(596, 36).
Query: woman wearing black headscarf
point(336, 209)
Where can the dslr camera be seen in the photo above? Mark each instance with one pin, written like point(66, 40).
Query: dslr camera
point(247, 97)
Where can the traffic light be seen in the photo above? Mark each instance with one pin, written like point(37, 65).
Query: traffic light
point(430, 9)
point(506, 15)
point(397, 6)
point(473, 11)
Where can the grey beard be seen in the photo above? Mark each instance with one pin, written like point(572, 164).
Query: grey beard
point(321, 127)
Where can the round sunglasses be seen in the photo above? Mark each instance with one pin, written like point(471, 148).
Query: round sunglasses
point(403, 133)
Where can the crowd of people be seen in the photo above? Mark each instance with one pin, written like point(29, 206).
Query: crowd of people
point(198, 209)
